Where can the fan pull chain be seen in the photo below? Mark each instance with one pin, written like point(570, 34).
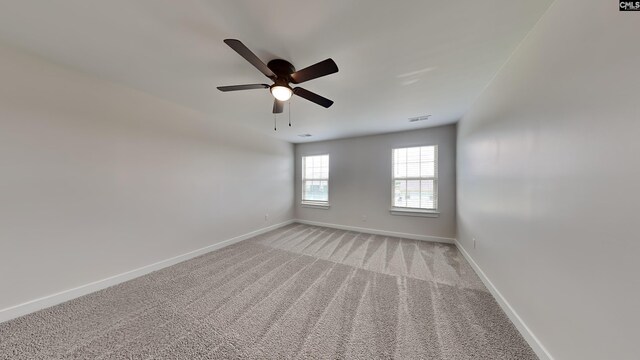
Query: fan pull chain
point(275, 127)
point(289, 113)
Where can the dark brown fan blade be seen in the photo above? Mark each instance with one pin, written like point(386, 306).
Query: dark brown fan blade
point(278, 106)
point(313, 97)
point(320, 69)
point(243, 87)
point(244, 51)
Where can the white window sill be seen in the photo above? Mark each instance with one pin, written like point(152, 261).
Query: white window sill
point(315, 205)
point(414, 212)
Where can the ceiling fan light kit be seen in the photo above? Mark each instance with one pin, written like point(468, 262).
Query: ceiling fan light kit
point(281, 92)
point(282, 73)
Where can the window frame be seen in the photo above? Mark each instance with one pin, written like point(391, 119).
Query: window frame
point(314, 203)
point(412, 211)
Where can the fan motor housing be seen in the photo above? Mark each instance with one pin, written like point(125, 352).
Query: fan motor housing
point(282, 68)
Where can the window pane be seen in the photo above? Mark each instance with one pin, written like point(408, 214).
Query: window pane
point(427, 169)
point(308, 169)
point(400, 193)
point(309, 190)
point(316, 190)
point(413, 193)
point(325, 172)
point(427, 153)
point(413, 154)
point(401, 169)
point(324, 161)
point(426, 194)
point(401, 155)
point(316, 167)
point(413, 169)
point(323, 191)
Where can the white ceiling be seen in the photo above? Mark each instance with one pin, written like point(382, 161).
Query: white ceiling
point(397, 59)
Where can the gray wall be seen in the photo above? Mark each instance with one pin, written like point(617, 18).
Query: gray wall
point(360, 182)
point(548, 176)
point(98, 179)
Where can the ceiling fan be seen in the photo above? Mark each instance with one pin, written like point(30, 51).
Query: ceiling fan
point(282, 73)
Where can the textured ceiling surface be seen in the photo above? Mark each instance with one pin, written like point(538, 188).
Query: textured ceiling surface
point(397, 59)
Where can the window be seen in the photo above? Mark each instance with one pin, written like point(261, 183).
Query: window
point(315, 179)
point(415, 178)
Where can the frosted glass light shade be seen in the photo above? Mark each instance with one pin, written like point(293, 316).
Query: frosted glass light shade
point(281, 93)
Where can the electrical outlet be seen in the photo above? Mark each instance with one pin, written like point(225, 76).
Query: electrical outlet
point(364, 218)
point(474, 243)
point(266, 217)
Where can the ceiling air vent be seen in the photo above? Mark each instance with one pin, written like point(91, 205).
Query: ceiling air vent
point(419, 118)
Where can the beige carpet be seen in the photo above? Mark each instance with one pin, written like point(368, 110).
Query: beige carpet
point(296, 292)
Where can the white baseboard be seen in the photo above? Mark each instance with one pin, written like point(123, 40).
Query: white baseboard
point(66, 295)
point(380, 232)
point(524, 330)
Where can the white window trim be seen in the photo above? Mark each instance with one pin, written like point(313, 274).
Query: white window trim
point(314, 204)
point(414, 212)
point(408, 211)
